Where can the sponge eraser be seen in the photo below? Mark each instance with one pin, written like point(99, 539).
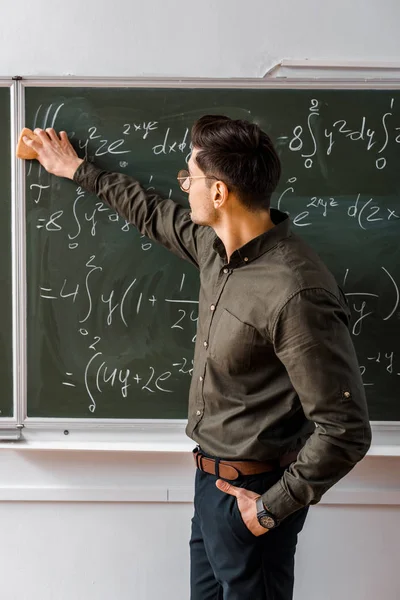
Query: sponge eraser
point(24, 151)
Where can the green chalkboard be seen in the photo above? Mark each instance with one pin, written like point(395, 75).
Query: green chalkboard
point(112, 317)
point(6, 395)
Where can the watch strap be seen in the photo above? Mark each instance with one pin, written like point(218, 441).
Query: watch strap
point(263, 512)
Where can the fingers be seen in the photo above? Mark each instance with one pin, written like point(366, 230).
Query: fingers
point(226, 487)
point(45, 136)
point(41, 134)
point(66, 143)
point(34, 144)
point(52, 135)
point(239, 492)
point(64, 137)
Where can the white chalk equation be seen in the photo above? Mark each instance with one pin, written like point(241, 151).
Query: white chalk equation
point(359, 132)
point(363, 303)
point(381, 362)
point(100, 374)
point(85, 215)
point(368, 308)
point(131, 316)
point(365, 212)
point(114, 305)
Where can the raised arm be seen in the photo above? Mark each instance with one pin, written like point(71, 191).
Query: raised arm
point(163, 221)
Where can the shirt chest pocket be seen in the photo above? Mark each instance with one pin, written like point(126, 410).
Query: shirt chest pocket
point(232, 343)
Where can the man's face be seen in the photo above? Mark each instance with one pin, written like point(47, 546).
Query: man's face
point(200, 195)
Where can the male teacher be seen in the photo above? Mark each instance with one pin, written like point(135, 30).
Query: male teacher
point(277, 404)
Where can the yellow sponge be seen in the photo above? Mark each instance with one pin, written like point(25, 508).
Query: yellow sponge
point(23, 151)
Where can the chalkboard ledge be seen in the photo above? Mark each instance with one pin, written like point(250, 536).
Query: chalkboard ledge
point(183, 446)
point(149, 437)
point(141, 446)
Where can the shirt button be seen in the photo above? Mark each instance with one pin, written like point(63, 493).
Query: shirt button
point(212, 307)
point(198, 412)
point(205, 344)
point(226, 271)
point(201, 378)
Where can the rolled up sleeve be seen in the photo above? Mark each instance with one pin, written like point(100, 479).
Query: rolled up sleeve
point(312, 339)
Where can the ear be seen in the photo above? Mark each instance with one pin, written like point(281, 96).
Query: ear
point(220, 194)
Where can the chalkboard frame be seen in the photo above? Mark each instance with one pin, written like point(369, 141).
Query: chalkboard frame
point(140, 431)
point(10, 426)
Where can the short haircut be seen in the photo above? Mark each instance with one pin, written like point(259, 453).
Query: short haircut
point(240, 154)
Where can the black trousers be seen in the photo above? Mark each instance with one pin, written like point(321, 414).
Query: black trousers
point(227, 561)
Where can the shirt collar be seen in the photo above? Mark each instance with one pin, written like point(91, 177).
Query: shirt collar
point(260, 244)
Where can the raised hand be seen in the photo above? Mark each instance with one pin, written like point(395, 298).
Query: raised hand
point(55, 153)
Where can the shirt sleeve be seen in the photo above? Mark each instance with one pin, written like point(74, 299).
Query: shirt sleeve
point(312, 339)
point(163, 221)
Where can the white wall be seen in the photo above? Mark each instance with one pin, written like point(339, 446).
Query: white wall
point(211, 38)
point(115, 525)
point(81, 525)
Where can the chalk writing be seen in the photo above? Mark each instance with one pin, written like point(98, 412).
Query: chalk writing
point(121, 315)
point(303, 136)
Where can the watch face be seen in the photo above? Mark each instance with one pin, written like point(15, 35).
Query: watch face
point(267, 522)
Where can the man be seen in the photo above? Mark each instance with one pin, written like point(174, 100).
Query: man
point(277, 403)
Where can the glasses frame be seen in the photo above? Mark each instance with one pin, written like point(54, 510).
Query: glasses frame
point(184, 174)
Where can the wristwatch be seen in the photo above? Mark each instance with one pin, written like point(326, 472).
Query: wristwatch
point(265, 518)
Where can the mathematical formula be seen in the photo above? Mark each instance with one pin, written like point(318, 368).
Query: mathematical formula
point(80, 227)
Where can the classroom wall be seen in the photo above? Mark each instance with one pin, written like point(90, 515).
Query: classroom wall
point(211, 38)
point(113, 525)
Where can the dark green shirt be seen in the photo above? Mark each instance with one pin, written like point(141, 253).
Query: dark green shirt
point(275, 367)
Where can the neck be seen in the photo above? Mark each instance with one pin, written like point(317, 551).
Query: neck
point(235, 230)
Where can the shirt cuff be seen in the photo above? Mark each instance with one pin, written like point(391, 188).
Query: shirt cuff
point(87, 175)
point(279, 502)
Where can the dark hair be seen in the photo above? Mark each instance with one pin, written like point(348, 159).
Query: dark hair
point(240, 154)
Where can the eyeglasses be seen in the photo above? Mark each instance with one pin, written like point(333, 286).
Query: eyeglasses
point(185, 179)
